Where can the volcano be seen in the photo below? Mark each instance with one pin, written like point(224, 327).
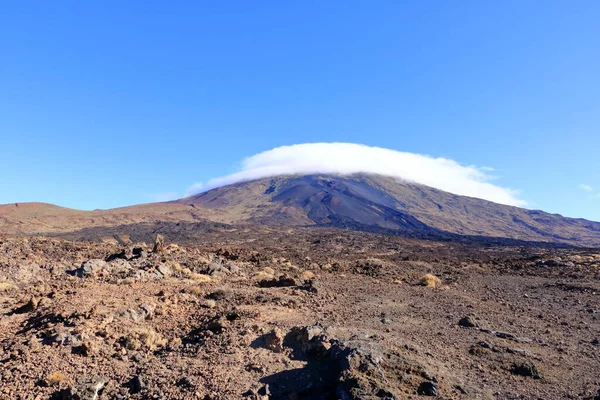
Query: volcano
point(359, 202)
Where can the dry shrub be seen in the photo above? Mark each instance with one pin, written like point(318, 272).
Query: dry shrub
point(175, 343)
point(186, 271)
point(7, 286)
point(174, 248)
point(306, 275)
point(200, 278)
point(175, 266)
point(146, 338)
point(210, 303)
point(430, 280)
point(263, 275)
point(326, 267)
point(196, 291)
point(54, 378)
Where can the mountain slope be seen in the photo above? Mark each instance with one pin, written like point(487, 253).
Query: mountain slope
point(373, 201)
point(361, 202)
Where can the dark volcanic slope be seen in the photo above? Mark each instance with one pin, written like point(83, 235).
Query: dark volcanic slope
point(370, 201)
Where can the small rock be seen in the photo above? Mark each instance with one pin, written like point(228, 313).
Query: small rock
point(468, 322)
point(31, 305)
point(210, 303)
point(136, 384)
point(525, 369)
point(91, 267)
point(138, 252)
point(313, 339)
point(274, 340)
point(234, 269)
point(215, 269)
point(218, 295)
point(164, 270)
point(88, 388)
point(217, 324)
point(460, 389)
point(427, 389)
point(282, 281)
point(88, 349)
point(159, 244)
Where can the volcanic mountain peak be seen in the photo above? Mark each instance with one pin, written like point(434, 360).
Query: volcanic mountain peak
point(367, 201)
point(359, 201)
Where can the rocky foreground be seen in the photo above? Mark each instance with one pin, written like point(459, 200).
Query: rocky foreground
point(297, 314)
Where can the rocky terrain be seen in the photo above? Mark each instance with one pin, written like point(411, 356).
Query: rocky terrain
point(263, 312)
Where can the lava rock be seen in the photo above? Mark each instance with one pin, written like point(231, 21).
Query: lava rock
point(525, 369)
point(468, 322)
point(215, 269)
point(91, 267)
point(88, 388)
point(274, 340)
point(136, 384)
point(159, 244)
point(282, 281)
point(427, 389)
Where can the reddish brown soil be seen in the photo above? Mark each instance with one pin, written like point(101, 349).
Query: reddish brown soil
point(185, 338)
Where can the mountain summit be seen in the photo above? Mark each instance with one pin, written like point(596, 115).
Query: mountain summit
point(366, 201)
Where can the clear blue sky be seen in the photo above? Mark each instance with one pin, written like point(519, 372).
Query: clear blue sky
point(111, 103)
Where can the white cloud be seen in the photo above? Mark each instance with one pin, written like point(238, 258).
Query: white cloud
point(587, 188)
point(349, 158)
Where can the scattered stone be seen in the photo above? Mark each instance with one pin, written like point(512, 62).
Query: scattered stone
point(122, 255)
point(146, 311)
point(427, 388)
point(159, 244)
point(234, 269)
point(461, 389)
point(217, 324)
point(88, 388)
point(468, 322)
point(282, 281)
point(30, 306)
point(186, 383)
point(218, 295)
point(91, 267)
point(136, 385)
point(164, 270)
point(210, 303)
point(215, 269)
point(139, 252)
point(313, 339)
point(274, 340)
point(86, 349)
point(309, 286)
point(63, 337)
point(525, 369)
